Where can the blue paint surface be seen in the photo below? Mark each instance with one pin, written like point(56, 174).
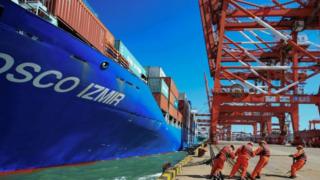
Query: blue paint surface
point(41, 127)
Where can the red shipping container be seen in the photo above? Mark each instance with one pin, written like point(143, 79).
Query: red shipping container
point(172, 97)
point(173, 111)
point(181, 105)
point(172, 86)
point(179, 117)
point(79, 18)
point(162, 101)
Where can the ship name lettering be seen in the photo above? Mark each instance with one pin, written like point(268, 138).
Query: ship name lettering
point(95, 92)
point(24, 72)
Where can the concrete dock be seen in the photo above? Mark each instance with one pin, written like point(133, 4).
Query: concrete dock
point(278, 167)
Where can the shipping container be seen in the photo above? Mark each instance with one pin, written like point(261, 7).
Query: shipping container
point(179, 117)
point(134, 64)
point(173, 111)
point(173, 100)
point(162, 101)
point(172, 86)
point(182, 96)
point(187, 122)
point(155, 72)
point(158, 85)
point(77, 17)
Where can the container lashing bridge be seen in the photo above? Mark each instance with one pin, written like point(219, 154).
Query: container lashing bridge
point(259, 58)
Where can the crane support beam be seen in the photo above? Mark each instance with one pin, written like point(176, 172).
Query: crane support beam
point(262, 74)
point(294, 12)
point(272, 98)
point(255, 109)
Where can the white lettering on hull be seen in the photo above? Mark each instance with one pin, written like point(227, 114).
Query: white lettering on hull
point(101, 94)
point(37, 81)
point(25, 72)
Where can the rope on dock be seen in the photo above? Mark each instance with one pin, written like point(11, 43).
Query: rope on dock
point(231, 162)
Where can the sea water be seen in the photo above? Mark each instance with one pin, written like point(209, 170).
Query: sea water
point(135, 168)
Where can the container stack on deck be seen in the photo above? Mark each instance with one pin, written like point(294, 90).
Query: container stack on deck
point(159, 88)
point(135, 67)
point(74, 17)
point(166, 94)
point(185, 109)
point(78, 18)
point(174, 114)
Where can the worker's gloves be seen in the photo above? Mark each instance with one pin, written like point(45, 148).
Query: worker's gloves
point(290, 155)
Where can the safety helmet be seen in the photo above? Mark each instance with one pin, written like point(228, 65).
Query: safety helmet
point(250, 143)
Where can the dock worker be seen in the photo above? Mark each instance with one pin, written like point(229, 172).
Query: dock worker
point(221, 157)
point(243, 153)
point(264, 152)
point(299, 160)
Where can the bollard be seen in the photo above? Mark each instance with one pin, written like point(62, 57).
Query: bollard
point(171, 173)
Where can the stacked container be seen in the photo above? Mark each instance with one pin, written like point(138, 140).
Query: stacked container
point(75, 15)
point(160, 91)
point(158, 87)
point(155, 72)
point(164, 89)
point(185, 109)
point(173, 99)
point(162, 101)
point(134, 64)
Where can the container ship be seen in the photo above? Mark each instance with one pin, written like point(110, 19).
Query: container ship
point(71, 94)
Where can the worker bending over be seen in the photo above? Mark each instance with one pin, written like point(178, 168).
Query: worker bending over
point(264, 152)
point(299, 160)
point(218, 162)
point(244, 153)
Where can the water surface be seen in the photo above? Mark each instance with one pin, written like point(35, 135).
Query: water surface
point(135, 168)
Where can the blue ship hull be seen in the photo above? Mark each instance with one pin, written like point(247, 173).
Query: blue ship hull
point(58, 106)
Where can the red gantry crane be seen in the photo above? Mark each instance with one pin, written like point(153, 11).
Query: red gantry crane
point(260, 56)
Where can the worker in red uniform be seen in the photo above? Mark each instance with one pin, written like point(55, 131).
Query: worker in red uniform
point(218, 163)
point(299, 160)
point(244, 153)
point(264, 152)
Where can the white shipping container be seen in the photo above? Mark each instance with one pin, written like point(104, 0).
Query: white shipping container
point(183, 96)
point(155, 72)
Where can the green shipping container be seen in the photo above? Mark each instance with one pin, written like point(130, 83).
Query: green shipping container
point(158, 85)
point(134, 64)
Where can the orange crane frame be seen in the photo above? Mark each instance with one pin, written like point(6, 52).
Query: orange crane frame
point(254, 71)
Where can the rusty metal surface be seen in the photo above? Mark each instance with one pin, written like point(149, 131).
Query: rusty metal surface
point(79, 18)
point(162, 101)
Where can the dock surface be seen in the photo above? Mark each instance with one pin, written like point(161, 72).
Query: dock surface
point(277, 168)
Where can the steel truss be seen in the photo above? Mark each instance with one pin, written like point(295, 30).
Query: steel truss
point(259, 60)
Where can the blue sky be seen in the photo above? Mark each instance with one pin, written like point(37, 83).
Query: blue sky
point(168, 33)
